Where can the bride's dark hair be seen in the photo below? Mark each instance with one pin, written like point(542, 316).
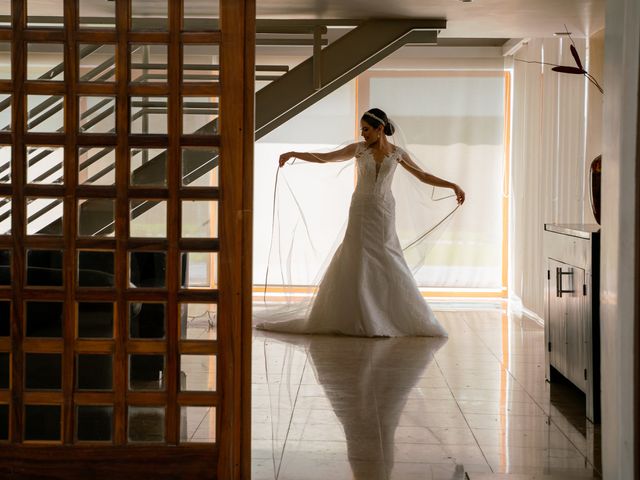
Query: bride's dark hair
point(376, 117)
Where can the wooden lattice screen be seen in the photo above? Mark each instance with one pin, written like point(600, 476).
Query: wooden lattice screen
point(124, 248)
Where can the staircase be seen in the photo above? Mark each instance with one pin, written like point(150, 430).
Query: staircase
point(328, 69)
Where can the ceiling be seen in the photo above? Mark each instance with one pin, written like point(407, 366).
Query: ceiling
point(465, 19)
point(475, 19)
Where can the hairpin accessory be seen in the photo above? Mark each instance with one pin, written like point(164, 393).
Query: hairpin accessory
point(369, 114)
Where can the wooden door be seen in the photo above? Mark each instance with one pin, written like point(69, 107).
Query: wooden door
point(125, 200)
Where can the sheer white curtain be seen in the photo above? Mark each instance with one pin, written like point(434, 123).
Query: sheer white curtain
point(454, 122)
point(325, 197)
point(548, 169)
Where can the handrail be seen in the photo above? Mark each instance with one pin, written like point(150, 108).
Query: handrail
point(88, 50)
point(97, 69)
point(53, 102)
point(49, 172)
point(94, 158)
point(44, 210)
point(109, 111)
point(90, 111)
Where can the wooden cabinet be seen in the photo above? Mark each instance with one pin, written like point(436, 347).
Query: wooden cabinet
point(572, 330)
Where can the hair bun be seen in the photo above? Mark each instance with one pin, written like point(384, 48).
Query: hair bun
point(389, 129)
point(376, 117)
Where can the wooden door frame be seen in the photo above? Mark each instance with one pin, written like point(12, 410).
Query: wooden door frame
point(237, 116)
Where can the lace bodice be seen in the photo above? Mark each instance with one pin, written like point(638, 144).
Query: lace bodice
point(371, 182)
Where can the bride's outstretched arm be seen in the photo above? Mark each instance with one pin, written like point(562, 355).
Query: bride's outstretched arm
point(336, 156)
point(425, 177)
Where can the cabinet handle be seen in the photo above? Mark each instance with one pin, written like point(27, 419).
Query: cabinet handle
point(559, 288)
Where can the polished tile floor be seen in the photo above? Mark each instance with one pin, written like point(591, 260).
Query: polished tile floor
point(470, 406)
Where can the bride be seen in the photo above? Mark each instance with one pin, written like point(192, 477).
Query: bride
point(368, 289)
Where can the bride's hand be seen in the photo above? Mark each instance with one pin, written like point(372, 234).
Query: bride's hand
point(284, 158)
point(459, 194)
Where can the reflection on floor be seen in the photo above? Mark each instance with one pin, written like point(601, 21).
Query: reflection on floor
point(417, 408)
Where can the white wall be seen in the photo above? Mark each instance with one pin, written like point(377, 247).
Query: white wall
point(619, 245)
point(595, 103)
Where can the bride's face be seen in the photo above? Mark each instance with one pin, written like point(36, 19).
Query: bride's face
point(371, 135)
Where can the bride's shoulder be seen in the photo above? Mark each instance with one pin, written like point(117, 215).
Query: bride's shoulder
point(398, 152)
point(361, 147)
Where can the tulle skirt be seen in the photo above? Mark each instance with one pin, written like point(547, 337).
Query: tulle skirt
point(368, 289)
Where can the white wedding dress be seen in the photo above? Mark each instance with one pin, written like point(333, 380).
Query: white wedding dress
point(368, 289)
